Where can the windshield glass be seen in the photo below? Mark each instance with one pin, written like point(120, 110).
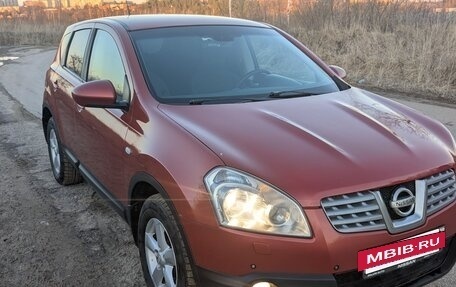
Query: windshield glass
point(184, 64)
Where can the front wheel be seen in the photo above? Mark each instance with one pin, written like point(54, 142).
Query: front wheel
point(163, 252)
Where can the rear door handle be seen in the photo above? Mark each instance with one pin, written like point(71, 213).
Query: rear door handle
point(55, 85)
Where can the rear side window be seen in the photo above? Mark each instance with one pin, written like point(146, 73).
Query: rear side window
point(106, 64)
point(64, 46)
point(75, 55)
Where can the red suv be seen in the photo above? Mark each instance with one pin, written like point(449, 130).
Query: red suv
point(239, 158)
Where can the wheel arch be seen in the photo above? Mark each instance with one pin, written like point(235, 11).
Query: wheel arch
point(46, 115)
point(142, 186)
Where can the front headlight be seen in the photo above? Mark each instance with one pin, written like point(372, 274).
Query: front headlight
point(244, 202)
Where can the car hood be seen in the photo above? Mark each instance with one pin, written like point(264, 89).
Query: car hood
point(314, 147)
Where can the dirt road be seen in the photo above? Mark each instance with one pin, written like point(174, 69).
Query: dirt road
point(67, 236)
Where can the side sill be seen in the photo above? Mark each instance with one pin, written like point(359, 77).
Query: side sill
point(71, 157)
point(103, 192)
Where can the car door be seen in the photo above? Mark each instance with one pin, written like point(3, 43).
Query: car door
point(64, 78)
point(101, 132)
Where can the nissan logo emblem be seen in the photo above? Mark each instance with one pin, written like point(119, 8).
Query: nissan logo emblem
point(403, 202)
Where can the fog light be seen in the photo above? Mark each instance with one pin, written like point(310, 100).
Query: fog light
point(264, 284)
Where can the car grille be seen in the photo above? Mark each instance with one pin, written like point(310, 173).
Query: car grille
point(354, 212)
point(441, 190)
point(360, 211)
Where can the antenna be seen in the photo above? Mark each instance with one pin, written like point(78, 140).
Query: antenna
point(229, 7)
point(128, 7)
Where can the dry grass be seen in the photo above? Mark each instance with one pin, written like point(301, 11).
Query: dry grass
point(396, 46)
point(19, 32)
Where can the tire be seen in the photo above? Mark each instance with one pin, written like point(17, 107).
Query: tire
point(64, 172)
point(162, 249)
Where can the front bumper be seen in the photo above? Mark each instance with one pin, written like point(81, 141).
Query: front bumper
point(417, 274)
point(240, 253)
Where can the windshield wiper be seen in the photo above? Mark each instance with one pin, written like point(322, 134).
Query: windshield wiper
point(202, 101)
point(270, 96)
point(291, 94)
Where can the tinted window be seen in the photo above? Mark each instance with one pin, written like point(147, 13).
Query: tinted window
point(64, 46)
point(225, 62)
point(75, 57)
point(106, 64)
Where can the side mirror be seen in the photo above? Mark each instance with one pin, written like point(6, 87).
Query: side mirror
point(96, 94)
point(340, 72)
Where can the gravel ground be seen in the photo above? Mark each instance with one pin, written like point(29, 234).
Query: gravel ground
point(67, 236)
point(53, 235)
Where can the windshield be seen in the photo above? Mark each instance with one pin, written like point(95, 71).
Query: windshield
point(184, 64)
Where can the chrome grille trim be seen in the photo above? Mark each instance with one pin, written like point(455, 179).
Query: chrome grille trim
point(354, 212)
point(439, 177)
point(441, 190)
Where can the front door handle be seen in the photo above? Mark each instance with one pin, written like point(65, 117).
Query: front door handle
point(79, 108)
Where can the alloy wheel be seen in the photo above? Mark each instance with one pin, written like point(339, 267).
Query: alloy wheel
point(54, 151)
point(160, 257)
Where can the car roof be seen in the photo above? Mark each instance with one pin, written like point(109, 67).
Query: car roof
point(141, 22)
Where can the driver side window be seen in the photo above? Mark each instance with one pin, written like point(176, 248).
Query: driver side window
point(106, 64)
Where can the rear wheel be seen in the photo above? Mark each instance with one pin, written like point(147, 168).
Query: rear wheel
point(64, 172)
point(164, 255)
